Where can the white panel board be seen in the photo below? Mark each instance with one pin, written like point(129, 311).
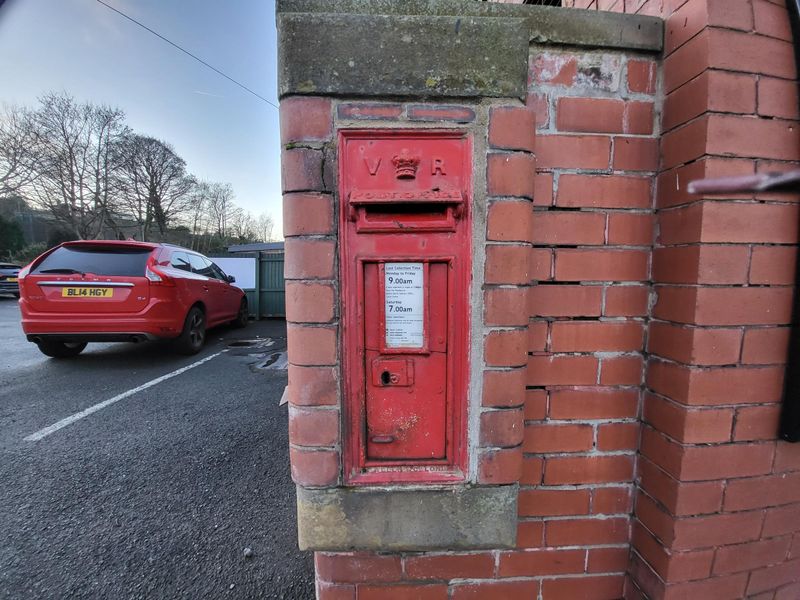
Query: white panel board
point(244, 269)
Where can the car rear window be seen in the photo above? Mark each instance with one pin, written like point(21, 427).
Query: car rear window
point(122, 261)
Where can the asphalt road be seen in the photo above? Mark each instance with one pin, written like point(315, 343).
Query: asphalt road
point(158, 494)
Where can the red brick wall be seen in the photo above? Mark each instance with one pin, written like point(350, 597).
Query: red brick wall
point(637, 332)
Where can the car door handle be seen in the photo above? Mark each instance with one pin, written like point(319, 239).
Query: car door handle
point(205, 288)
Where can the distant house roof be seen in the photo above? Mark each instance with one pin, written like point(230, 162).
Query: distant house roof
point(258, 247)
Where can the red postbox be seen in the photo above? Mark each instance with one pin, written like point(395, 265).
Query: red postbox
point(405, 271)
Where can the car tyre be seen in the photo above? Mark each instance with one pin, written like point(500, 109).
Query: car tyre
point(61, 349)
point(243, 316)
point(193, 335)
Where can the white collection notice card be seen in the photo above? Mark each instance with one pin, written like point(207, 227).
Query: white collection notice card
point(405, 307)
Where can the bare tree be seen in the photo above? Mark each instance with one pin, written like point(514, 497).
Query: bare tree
point(153, 183)
point(77, 162)
point(220, 205)
point(265, 226)
point(17, 150)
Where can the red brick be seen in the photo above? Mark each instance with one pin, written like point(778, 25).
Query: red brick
point(313, 427)
point(588, 469)
point(509, 221)
point(530, 534)
point(759, 54)
point(309, 259)
point(621, 370)
point(746, 557)
point(311, 346)
point(357, 567)
point(573, 152)
point(685, 144)
point(590, 115)
point(441, 112)
point(312, 386)
point(681, 225)
point(688, 426)
point(611, 500)
point(543, 189)
point(496, 467)
point(654, 517)
point(746, 136)
point(307, 213)
point(717, 587)
point(593, 403)
point(532, 469)
point(773, 265)
point(548, 503)
point(608, 560)
point(702, 463)
point(541, 264)
point(787, 457)
point(703, 264)
point(550, 437)
point(535, 405)
point(692, 345)
point(717, 91)
point(691, 59)
point(635, 154)
point(537, 336)
point(508, 265)
point(773, 577)
point(642, 76)
point(305, 118)
point(568, 228)
point(777, 98)
point(565, 300)
point(506, 348)
point(330, 591)
point(724, 305)
point(596, 336)
point(772, 20)
point(631, 229)
point(511, 174)
point(505, 307)
point(779, 521)
point(757, 423)
point(450, 566)
point(562, 370)
point(504, 388)
point(582, 532)
point(314, 468)
point(615, 437)
point(437, 591)
point(512, 128)
point(553, 68)
point(762, 492)
point(502, 428)
point(725, 222)
point(301, 170)
point(536, 563)
point(539, 104)
point(309, 302)
point(369, 110)
point(601, 265)
point(626, 301)
point(680, 498)
point(615, 191)
point(638, 118)
point(716, 530)
point(495, 590)
point(608, 587)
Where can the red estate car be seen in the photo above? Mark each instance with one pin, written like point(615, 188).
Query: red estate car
point(112, 291)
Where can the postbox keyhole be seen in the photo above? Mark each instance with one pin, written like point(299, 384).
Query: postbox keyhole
point(386, 378)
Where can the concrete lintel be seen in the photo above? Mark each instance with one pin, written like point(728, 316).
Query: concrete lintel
point(543, 24)
point(461, 518)
point(401, 55)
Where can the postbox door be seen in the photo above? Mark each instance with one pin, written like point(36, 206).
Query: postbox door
point(406, 360)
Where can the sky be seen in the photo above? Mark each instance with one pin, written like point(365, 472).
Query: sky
point(223, 132)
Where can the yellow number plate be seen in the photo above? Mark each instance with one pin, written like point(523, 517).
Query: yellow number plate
point(11, 279)
point(86, 292)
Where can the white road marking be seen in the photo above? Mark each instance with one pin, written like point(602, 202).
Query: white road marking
point(42, 433)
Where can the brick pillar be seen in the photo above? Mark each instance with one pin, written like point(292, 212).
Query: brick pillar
point(718, 510)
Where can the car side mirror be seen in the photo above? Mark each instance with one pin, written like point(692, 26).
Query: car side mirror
point(231, 279)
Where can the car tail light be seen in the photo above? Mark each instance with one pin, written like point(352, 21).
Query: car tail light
point(156, 275)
